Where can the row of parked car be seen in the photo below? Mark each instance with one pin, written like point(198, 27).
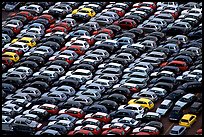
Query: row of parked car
point(99, 68)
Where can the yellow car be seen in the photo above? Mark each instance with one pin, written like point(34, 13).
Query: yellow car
point(147, 104)
point(29, 41)
point(12, 56)
point(88, 11)
point(187, 120)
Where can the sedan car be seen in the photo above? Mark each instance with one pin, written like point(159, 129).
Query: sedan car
point(164, 107)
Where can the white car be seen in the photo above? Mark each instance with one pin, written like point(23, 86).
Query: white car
point(133, 107)
point(94, 94)
point(116, 125)
point(65, 89)
point(66, 123)
point(184, 100)
point(128, 121)
point(79, 43)
point(162, 73)
point(20, 45)
point(82, 72)
point(160, 92)
point(193, 10)
point(37, 9)
point(26, 70)
point(136, 69)
point(56, 68)
point(164, 107)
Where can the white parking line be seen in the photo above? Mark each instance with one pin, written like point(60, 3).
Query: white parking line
point(169, 128)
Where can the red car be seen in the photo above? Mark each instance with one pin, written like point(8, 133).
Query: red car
point(48, 17)
point(146, 4)
point(77, 49)
point(15, 50)
point(180, 64)
point(104, 30)
point(15, 29)
point(119, 11)
point(6, 61)
point(55, 29)
point(26, 14)
point(199, 132)
point(80, 132)
point(126, 23)
point(122, 126)
point(114, 131)
point(150, 130)
point(66, 58)
point(50, 108)
point(75, 112)
point(93, 128)
point(140, 133)
point(62, 24)
point(102, 117)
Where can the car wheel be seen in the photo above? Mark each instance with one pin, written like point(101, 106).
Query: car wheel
point(146, 109)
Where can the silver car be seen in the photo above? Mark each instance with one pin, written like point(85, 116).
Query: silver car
point(7, 123)
point(177, 130)
point(164, 107)
point(146, 94)
point(93, 94)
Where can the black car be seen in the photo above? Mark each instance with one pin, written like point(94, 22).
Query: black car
point(60, 128)
point(122, 113)
point(132, 51)
point(195, 34)
point(118, 98)
point(109, 104)
point(16, 82)
point(175, 95)
point(61, 63)
point(8, 31)
point(195, 108)
point(25, 125)
point(176, 114)
point(8, 88)
point(43, 100)
point(95, 108)
point(167, 86)
point(156, 124)
point(39, 60)
point(45, 22)
point(62, 117)
point(43, 78)
point(69, 104)
point(61, 41)
point(119, 90)
point(31, 64)
point(42, 86)
point(68, 82)
point(54, 45)
point(81, 17)
point(115, 28)
point(170, 80)
point(191, 87)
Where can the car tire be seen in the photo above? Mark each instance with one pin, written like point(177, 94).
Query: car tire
point(146, 109)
